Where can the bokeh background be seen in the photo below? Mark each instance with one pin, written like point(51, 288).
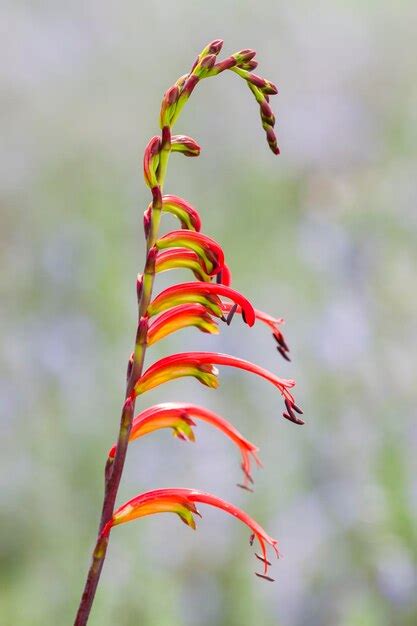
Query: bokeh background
point(325, 236)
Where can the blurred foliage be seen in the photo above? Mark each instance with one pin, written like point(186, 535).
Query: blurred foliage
point(324, 235)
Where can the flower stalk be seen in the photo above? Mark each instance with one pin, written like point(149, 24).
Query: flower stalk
point(200, 304)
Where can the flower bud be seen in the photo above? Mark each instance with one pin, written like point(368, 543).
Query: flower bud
point(226, 64)
point(265, 85)
point(208, 61)
point(249, 66)
point(151, 161)
point(272, 140)
point(168, 105)
point(147, 220)
point(244, 56)
point(266, 113)
point(186, 145)
point(189, 85)
point(215, 46)
point(139, 286)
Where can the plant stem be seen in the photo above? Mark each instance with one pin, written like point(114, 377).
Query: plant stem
point(114, 467)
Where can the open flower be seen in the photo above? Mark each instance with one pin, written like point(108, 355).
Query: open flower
point(180, 416)
point(203, 293)
point(183, 503)
point(201, 365)
point(209, 251)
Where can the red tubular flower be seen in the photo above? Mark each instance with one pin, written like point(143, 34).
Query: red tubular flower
point(181, 316)
point(180, 258)
point(208, 250)
point(204, 293)
point(179, 416)
point(272, 322)
point(182, 502)
point(201, 365)
point(186, 213)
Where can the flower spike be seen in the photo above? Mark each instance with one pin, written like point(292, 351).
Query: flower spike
point(180, 417)
point(182, 502)
point(201, 365)
point(208, 250)
point(198, 304)
point(204, 293)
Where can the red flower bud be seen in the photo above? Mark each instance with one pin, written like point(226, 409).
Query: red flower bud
point(186, 145)
point(215, 46)
point(151, 161)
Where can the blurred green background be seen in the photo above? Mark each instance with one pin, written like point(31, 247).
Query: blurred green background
point(325, 236)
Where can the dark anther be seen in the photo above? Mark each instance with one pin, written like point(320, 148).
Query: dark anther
point(245, 487)
point(262, 558)
point(231, 314)
point(252, 539)
point(248, 476)
point(293, 419)
point(265, 577)
point(289, 408)
point(219, 278)
point(223, 319)
point(280, 339)
point(283, 353)
point(297, 409)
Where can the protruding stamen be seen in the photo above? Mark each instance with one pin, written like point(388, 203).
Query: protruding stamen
point(231, 314)
point(265, 577)
point(263, 559)
point(283, 353)
point(294, 419)
point(245, 487)
point(281, 341)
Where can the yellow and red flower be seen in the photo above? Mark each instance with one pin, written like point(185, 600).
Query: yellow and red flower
point(180, 416)
point(202, 366)
point(182, 502)
point(207, 294)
